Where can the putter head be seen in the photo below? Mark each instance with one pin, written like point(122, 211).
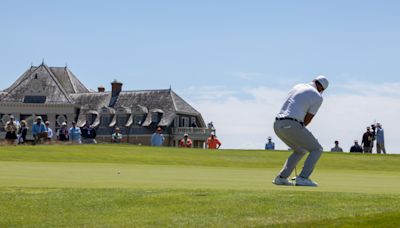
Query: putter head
point(293, 178)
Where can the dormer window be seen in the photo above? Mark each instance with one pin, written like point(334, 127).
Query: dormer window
point(35, 99)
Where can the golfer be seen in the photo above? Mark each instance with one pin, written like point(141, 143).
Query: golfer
point(297, 112)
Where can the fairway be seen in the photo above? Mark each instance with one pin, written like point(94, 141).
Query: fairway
point(124, 186)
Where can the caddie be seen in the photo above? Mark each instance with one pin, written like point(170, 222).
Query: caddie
point(299, 109)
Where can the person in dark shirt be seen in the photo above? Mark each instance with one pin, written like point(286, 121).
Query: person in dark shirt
point(356, 148)
point(23, 130)
point(89, 134)
point(368, 141)
point(62, 133)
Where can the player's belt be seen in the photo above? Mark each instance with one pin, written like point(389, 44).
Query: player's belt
point(290, 118)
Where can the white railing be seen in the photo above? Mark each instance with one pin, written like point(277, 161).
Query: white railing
point(191, 131)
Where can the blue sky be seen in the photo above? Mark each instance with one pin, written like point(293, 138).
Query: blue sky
point(219, 52)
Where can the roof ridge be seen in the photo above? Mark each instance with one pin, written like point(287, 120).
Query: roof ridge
point(57, 82)
point(69, 78)
point(173, 99)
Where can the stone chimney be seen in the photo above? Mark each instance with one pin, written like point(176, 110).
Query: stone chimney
point(116, 88)
point(101, 89)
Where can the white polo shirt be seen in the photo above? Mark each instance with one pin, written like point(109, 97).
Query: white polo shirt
point(302, 99)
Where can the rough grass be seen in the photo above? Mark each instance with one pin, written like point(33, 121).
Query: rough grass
point(79, 186)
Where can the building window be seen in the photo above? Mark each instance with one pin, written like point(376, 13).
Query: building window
point(193, 122)
point(35, 99)
point(176, 122)
point(155, 117)
point(105, 121)
point(138, 120)
point(121, 120)
point(91, 118)
point(185, 122)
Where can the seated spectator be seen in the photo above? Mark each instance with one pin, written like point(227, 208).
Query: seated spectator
point(270, 145)
point(213, 142)
point(89, 134)
point(75, 134)
point(23, 130)
point(186, 142)
point(49, 131)
point(157, 139)
point(336, 148)
point(117, 136)
point(11, 129)
point(39, 131)
point(356, 148)
point(62, 133)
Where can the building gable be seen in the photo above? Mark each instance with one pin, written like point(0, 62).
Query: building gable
point(37, 85)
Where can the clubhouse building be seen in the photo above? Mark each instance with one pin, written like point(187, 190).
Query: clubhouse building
point(57, 95)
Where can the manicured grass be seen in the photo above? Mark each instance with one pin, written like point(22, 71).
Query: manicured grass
point(127, 186)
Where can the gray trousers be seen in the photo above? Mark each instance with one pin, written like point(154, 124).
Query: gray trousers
point(379, 147)
point(301, 141)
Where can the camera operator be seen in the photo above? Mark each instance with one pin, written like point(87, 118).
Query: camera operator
point(368, 140)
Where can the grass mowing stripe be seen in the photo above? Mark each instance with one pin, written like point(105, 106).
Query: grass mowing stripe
point(171, 207)
point(100, 175)
point(197, 157)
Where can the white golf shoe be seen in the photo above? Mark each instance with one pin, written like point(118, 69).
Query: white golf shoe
point(282, 181)
point(300, 181)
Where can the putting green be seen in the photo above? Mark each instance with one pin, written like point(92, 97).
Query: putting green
point(105, 175)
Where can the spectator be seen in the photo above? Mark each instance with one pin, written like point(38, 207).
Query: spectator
point(11, 129)
point(194, 125)
point(356, 148)
point(89, 134)
point(62, 133)
point(213, 142)
point(49, 131)
point(117, 136)
point(75, 134)
point(367, 141)
point(270, 145)
point(23, 130)
point(337, 148)
point(157, 139)
point(380, 139)
point(186, 142)
point(39, 131)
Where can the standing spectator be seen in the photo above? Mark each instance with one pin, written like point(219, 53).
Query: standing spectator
point(336, 148)
point(39, 131)
point(117, 136)
point(356, 148)
point(186, 142)
point(157, 139)
point(270, 145)
point(380, 139)
point(367, 141)
point(49, 131)
point(89, 134)
point(11, 129)
point(213, 142)
point(75, 134)
point(299, 109)
point(62, 133)
point(23, 130)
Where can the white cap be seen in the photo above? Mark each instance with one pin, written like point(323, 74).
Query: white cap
point(269, 137)
point(185, 135)
point(323, 81)
point(212, 133)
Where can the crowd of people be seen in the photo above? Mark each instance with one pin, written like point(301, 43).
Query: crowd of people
point(16, 133)
point(373, 133)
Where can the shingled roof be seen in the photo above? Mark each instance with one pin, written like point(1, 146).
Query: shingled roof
point(61, 86)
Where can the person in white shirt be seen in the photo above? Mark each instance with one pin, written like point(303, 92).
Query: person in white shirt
point(336, 148)
point(300, 107)
point(49, 131)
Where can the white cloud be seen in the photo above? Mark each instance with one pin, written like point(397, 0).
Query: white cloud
point(244, 118)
